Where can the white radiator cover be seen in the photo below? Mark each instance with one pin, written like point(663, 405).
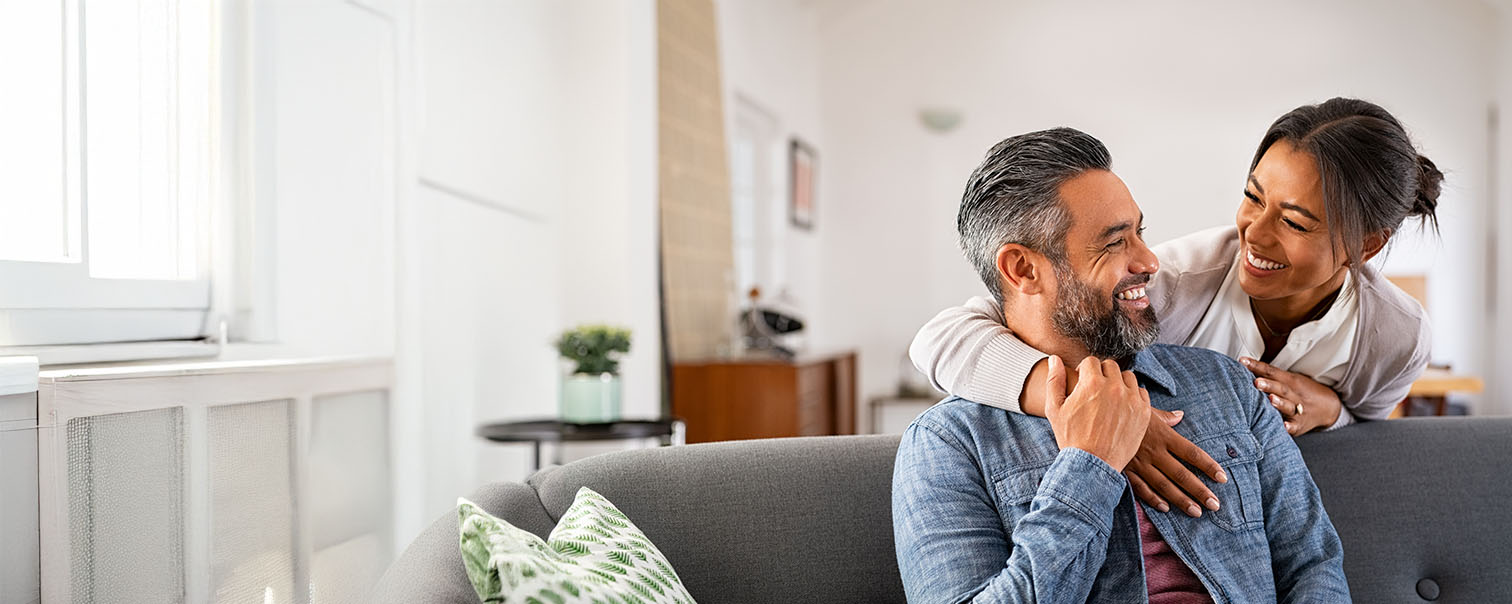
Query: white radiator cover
point(259, 482)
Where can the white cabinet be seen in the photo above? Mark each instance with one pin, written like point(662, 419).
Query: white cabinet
point(20, 557)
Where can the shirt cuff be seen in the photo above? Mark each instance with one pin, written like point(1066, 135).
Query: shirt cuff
point(1086, 484)
point(1345, 418)
point(1004, 366)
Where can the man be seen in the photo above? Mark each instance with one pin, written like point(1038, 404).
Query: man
point(993, 506)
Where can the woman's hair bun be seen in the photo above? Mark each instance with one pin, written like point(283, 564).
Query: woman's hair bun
point(1430, 181)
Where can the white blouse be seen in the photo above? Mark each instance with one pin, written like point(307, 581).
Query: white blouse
point(1320, 348)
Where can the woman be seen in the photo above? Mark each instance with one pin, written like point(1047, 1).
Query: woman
point(1286, 290)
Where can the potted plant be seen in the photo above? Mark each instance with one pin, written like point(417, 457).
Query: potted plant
point(591, 391)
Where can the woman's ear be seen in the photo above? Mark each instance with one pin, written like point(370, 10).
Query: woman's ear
point(1019, 270)
point(1374, 243)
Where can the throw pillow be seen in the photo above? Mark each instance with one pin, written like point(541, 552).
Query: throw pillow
point(595, 554)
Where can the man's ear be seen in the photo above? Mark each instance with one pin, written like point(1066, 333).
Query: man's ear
point(1374, 243)
point(1019, 269)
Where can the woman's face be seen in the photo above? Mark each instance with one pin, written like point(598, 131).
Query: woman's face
point(1286, 249)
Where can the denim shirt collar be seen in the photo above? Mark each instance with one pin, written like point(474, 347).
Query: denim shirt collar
point(1149, 367)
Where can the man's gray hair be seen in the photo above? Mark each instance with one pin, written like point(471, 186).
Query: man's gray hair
point(1013, 197)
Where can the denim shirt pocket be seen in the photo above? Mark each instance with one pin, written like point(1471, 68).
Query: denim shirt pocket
point(1015, 490)
point(1240, 503)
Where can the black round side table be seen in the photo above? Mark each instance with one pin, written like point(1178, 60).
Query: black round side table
point(670, 431)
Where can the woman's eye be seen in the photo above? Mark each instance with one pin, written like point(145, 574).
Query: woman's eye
point(1293, 225)
point(1252, 198)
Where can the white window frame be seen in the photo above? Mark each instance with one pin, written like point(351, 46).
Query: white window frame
point(56, 310)
point(753, 123)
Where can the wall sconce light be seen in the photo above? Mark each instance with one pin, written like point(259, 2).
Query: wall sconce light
point(939, 119)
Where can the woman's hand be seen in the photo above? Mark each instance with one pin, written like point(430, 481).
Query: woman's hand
point(1158, 475)
point(1305, 405)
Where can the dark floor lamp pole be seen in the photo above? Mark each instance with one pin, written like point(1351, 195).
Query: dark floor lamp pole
point(661, 304)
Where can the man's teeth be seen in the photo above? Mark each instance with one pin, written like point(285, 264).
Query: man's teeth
point(1132, 294)
point(1263, 264)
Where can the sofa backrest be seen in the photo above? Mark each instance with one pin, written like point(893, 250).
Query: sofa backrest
point(1417, 502)
point(1421, 505)
point(788, 520)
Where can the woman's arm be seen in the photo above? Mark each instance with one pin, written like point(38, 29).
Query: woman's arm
point(966, 351)
point(1396, 378)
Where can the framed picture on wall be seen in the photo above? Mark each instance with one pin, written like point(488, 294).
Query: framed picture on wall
point(801, 164)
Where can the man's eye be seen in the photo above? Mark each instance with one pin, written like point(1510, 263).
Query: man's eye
point(1115, 244)
point(1140, 232)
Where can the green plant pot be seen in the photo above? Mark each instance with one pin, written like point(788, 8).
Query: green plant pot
point(589, 399)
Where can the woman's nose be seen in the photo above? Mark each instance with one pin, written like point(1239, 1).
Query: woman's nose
point(1258, 232)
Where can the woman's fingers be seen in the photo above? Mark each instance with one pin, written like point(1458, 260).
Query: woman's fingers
point(1169, 418)
point(1274, 387)
point(1184, 479)
point(1289, 409)
point(1199, 459)
point(1146, 494)
point(1260, 369)
point(1167, 490)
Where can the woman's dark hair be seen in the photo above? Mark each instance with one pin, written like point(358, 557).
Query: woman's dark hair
point(1373, 178)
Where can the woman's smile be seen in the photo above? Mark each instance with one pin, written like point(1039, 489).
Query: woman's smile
point(1261, 266)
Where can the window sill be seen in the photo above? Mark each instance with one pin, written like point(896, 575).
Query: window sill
point(78, 354)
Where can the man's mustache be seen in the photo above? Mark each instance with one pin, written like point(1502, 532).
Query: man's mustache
point(1130, 281)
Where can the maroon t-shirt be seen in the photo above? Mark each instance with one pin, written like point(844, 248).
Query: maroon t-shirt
point(1167, 578)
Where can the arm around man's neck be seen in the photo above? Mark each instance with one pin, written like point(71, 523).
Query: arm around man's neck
point(966, 351)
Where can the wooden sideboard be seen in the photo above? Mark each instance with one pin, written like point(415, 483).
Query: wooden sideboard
point(766, 398)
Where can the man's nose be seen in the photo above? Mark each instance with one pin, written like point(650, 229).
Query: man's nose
point(1144, 261)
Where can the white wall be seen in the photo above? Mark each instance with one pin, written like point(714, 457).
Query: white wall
point(1500, 399)
point(320, 147)
point(768, 52)
point(535, 210)
point(1180, 92)
point(453, 183)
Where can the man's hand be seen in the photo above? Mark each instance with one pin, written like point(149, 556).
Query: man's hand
point(1106, 415)
point(1158, 475)
point(1305, 404)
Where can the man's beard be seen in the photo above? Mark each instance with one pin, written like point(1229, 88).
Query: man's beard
point(1084, 314)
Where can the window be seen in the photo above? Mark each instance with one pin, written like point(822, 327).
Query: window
point(107, 159)
point(753, 221)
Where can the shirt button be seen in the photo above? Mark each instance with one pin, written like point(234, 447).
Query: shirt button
point(1232, 451)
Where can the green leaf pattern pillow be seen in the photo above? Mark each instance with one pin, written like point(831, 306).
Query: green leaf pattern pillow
point(594, 555)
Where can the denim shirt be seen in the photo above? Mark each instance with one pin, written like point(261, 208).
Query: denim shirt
point(987, 508)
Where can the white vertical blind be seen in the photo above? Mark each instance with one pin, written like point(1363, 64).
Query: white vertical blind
point(147, 94)
point(33, 204)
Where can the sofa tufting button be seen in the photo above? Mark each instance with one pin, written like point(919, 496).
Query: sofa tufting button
point(1232, 451)
point(1428, 589)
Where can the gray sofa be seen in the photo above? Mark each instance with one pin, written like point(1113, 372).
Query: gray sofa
point(1422, 506)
